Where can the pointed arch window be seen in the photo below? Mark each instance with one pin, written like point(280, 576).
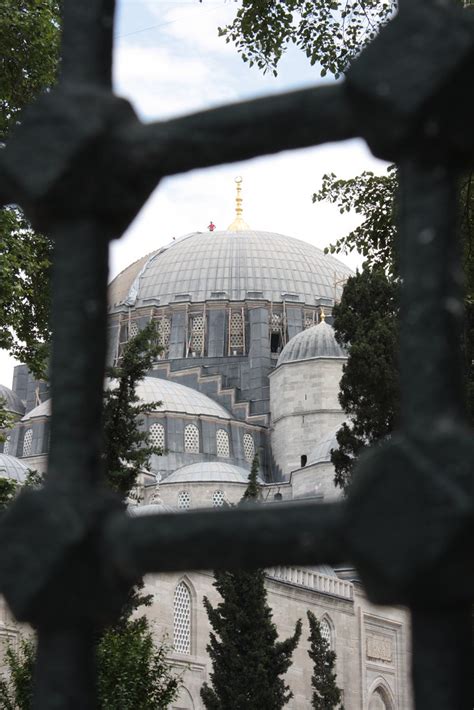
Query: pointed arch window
point(191, 439)
point(182, 619)
point(27, 442)
point(222, 443)
point(326, 632)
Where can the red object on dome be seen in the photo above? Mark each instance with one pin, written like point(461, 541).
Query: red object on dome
point(211, 226)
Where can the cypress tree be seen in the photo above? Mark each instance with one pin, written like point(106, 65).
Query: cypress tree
point(247, 659)
point(326, 694)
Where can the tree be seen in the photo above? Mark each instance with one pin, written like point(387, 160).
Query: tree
point(329, 33)
point(247, 660)
point(29, 52)
point(326, 694)
point(132, 669)
point(127, 449)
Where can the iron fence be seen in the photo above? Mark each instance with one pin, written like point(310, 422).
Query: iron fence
point(81, 165)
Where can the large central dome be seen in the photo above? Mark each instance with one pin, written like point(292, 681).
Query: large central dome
point(231, 265)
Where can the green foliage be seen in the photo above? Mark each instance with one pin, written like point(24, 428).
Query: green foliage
point(127, 449)
point(253, 491)
point(16, 690)
point(373, 197)
point(132, 671)
point(25, 258)
point(329, 32)
point(366, 322)
point(326, 694)
point(247, 659)
point(29, 50)
point(29, 53)
point(8, 490)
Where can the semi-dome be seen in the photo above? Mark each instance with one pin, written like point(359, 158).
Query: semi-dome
point(13, 468)
point(173, 396)
point(317, 341)
point(322, 451)
point(208, 471)
point(42, 410)
point(178, 398)
point(13, 403)
point(234, 265)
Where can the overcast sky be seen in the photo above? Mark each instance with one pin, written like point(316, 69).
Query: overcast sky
point(170, 61)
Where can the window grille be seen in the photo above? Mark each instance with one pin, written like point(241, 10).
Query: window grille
point(184, 500)
point(191, 439)
point(164, 330)
point(222, 441)
point(326, 632)
point(6, 445)
point(249, 447)
point(182, 619)
point(276, 322)
point(157, 435)
point(27, 442)
point(308, 320)
point(236, 339)
point(197, 334)
point(218, 499)
point(133, 329)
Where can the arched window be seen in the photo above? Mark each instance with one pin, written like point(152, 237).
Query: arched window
point(6, 445)
point(218, 499)
point(182, 619)
point(236, 333)
point(326, 632)
point(157, 435)
point(196, 343)
point(164, 331)
point(191, 439)
point(184, 500)
point(378, 701)
point(222, 442)
point(27, 442)
point(249, 447)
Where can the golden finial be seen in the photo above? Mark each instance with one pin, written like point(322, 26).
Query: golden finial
point(238, 225)
point(322, 315)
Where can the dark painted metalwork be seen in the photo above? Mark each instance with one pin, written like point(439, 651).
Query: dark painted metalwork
point(81, 165)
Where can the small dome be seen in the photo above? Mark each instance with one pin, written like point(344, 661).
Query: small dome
point(317, 341)
point(13, 468)
point(13, 403)
point(322, 451)
point(208, 471)
point(42, 410)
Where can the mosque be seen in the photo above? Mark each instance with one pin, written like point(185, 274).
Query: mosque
point(249, 364)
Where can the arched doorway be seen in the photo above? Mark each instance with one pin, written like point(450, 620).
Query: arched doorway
point(379, 700)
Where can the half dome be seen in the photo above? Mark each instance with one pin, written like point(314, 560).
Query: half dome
point(231, 265)
point(13, 468)
point(317, 341)
point(13, 403)
point(208, 471)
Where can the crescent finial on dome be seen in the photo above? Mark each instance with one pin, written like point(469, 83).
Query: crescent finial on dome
point(238, 225)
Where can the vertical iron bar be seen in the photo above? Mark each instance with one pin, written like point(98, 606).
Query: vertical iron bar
point(431, 302)
point(65, 666)
point(442, 659)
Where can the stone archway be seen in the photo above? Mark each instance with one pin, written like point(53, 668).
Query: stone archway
point(379, 700)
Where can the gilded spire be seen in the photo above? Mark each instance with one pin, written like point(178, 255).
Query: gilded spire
point(322, 316)
point(238, 225)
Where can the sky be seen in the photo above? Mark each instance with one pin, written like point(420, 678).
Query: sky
point(169, 61)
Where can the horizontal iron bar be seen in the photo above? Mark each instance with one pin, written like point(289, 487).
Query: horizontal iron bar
point(246, 538)
point(240, 131)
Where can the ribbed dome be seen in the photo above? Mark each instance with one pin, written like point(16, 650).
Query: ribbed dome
point(11, 467)
point(13, 403)
point(317, 341)
point(234, 265)
point(208, 471)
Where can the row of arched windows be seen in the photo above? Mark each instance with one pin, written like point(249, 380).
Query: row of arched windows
point(184, 499)
point(192, 440)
